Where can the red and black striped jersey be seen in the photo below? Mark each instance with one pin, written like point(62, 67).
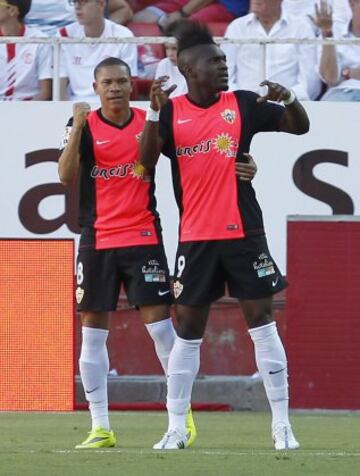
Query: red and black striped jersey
point(117, 206)
point(203, 144)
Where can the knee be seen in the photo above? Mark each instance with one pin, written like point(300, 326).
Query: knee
point(258, 319)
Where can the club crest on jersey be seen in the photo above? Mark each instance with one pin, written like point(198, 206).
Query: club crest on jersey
point(79, 293)
point(178, 289)
point(229, 116)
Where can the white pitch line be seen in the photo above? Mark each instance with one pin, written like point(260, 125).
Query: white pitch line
point(218, 453)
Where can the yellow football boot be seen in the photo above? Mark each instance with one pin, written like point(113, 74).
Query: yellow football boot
point(98, 438)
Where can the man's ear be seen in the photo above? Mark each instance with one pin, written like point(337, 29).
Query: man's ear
point(95, 87)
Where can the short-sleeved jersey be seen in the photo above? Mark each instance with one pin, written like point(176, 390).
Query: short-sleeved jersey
point(117, 206)
point(22, 66)
point(79, 60)
point(203, 145)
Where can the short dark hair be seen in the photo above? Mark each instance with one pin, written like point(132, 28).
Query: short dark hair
point(192, 33)
point(23, 7)
point(111, 61)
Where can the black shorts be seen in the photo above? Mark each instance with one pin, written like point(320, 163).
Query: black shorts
point(204, 268)
point(143, 271)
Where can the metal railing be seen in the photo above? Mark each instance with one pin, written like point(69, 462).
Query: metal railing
point(56, 43)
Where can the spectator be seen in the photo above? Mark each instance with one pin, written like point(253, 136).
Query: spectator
point(340, 65)
point(165, 12)
point(50, 15)
point(292, 65)
point(304, 8)
point(25, 69)
point(78, 60)
point(168, 66)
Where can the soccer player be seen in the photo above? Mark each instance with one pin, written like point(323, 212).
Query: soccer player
point(222, 239)
point(121, 239)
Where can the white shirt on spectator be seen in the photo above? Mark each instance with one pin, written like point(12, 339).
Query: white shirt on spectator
point(348, 56)
point(78, 61)
point(22, 66)
point(167, 68)
point(50, 15)
point(302, 8)
point(291, 65)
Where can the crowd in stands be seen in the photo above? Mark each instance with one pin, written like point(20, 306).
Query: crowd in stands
point(312, 71)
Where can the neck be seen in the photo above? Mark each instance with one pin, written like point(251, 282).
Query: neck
point(268, 21)
point(12, 28)
point(355, 26)
point(117, 116)
point(201, 97)
point(95, 29)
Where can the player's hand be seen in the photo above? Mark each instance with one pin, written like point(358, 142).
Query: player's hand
point(276, 92)
point(158, 96)
point(323, 17)
point(81, 111)
point(246, 170)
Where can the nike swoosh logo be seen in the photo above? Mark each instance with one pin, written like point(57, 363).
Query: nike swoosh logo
point(93, 390)
point(274, 282)
point(273, 372)
point(162, 293)
point(100, 142)
point(183, 121)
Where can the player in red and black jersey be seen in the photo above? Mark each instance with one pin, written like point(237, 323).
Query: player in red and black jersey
point(221, 240)
point(120, 233)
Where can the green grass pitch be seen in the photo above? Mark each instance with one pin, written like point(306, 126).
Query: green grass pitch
point(228, 444)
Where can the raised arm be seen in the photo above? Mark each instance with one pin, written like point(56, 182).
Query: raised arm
point(151, 142)
point(69, 160)
point(295, 119)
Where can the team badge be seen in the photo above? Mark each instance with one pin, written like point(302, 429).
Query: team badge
point(229, 116)
point(178, 289)
point(79, 294)
point(138, 136)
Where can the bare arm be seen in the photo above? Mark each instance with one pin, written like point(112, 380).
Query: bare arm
point(151, 143)
point(69, 160)
point(329, 67)
point(120, 11)
point(295, 119)
point(45, 90)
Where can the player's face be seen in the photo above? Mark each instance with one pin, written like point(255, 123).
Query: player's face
point(113, 85)
point(88, 11)
point(211, 70)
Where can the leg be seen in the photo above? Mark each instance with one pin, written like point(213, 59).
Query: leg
point(272, 365)
point(159, 325)
point(94, 365)
point(184, 363)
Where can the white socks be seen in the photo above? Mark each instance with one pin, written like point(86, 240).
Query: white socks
point(272, 365)
point(184, 363)
point(163, 335)
point(94, 367)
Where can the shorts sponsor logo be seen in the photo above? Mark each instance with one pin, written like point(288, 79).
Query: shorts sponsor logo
point(263, 266)
point(79, 293)
point(275, 281)
point(178, 289)
point(153, 273)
